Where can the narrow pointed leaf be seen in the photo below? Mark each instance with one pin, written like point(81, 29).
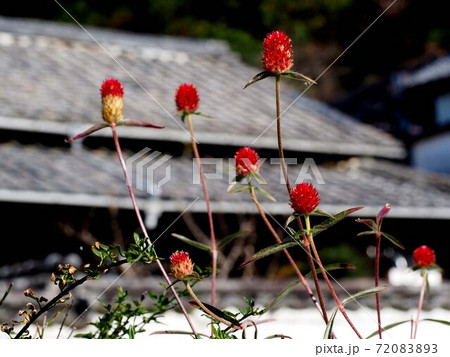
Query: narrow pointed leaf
point(438, 321)
point(369, 223)
point(372, 291)
point(366, 233)
point(329, 328)
point(291, 219)
point(216, 311)
point(335, 219)
point(202, 115)
point(330, 267)
point(364, 293)
point(238, 189)
point(141, 123)
point(258, 177)
point(258, 77)
point(393, 240)
point(268, 251)
point(87, 132)
point(298, 76)
point(192, 242)
point(282, 294)
point(388, 327)
point(176, 332)
point(320, 212)
point(265, 193)
point(230, 238)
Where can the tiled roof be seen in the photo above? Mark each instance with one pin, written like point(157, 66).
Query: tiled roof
point(51, 75)
point(79, 177)
point(434, 71)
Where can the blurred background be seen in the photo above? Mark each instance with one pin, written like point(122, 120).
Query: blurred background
point(395, 79)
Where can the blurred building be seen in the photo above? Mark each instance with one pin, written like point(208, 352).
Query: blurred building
point(60, 197)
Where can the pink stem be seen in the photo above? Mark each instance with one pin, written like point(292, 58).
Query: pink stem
point(208, 208)
point(419, 308)
point(377, 282)
point(142, 225)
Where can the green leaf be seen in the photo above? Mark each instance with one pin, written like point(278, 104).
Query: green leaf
point(216, 311)
point(393, 240)
point(230, 238)
point(298, 76)
point(320, 212)
point(330, 267)
point(202, 114)
point(192, 242)
point(257, 176)
point(366, 233)
point(258, 77)
point(335, 219)
point(131, 332)
point(358, 295)
point(438, 321)
point(265, 194)
point(369, 223)
point(388, 327)
point(282, 294)
point(237, 189)
point(97, 253)
point(291, 218)
point(268, 251)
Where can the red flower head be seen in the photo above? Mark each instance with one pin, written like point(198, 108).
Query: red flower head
point(112, 100)
point(424, 257)
point(246, 161)
point(181, 265)
point(304, 198)
point(186, 98)
point(277, 53)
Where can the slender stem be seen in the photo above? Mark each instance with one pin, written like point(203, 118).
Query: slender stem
point(6, 293)
point(209, 312)
point(288, 255)
point(288, 187)
point(419, 308)
point(50, 304)
point(325, 275)
point(377, 281)
point(208, 208)
point(279, 134)
point(312, 266)
point(142, 225)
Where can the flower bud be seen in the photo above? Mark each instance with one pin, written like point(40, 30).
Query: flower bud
point(112, 100)
point(181, 265)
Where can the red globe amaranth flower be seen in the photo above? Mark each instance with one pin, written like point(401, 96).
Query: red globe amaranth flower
point(424, 256)
point(304, 198)
point(181, 265)
point(277, 53)
point(112, 100)
point(186, 98)
point(246, 161)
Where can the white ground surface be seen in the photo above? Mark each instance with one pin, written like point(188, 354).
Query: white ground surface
point(303, 324)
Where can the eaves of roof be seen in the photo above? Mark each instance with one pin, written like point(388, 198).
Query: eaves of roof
point(40, 175)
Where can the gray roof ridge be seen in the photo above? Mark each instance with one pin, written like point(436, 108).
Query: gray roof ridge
point(73, 32)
